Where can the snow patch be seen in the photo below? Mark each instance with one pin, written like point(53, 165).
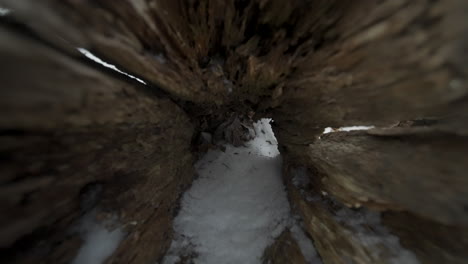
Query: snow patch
point(351, 128)
point(265, 143)
point(94, 58)
point(99, 241)
point(4, 11)
point(237, 206)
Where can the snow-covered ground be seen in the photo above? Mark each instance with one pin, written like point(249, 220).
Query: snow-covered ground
point(237, 206)
point(100, 239)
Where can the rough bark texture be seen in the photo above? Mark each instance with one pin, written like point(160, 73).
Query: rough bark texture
point(358, 235)
point(66, 126)
point(430, 241)
point(284, 250)
point(380, 63)
point(360, 169)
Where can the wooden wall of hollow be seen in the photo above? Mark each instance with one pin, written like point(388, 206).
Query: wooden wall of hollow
point(397, 64)
point(66, 126)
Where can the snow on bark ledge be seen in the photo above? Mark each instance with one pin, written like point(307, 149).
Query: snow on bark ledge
point(94, 58)
point(346, 129)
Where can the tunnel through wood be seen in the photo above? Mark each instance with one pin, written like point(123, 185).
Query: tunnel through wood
point(68, 124)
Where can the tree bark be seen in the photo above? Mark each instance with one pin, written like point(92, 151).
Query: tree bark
point(67, 127)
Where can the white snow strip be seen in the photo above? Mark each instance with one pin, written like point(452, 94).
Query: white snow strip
point(4, 11)
point(237, 206)
point(92, 57)
point(99, 242)
point(351, 128)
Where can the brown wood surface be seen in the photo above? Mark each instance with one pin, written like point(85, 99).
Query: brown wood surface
point(424, 174)
point(67, 123)
point(64, 126)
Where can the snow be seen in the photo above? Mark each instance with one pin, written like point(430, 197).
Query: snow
point(4, 11)
point(94, 58)
point(237, 206)
point(327, 130)
point(350, 128)
point(99, 242)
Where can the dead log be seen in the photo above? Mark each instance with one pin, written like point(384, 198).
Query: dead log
point(308, 64)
